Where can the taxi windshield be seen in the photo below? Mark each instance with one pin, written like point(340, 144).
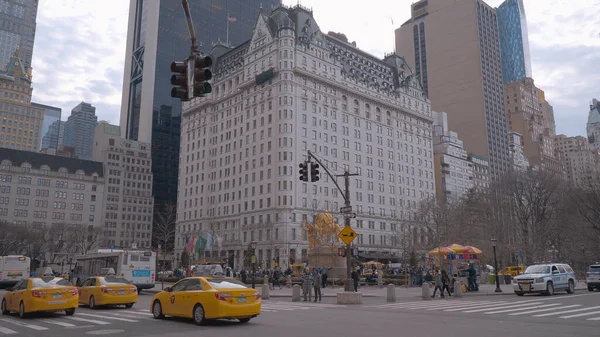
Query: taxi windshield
point(226, 284)
point(538, 270)
point(50, 282)
point(113, 280)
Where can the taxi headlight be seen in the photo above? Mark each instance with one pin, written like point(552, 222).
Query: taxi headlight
point(515, 281)
point(539, 280)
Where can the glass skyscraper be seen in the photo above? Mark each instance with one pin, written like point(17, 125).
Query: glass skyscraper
point(50, 126)
point(17, 30)
point(157, 35)
point(514, 41)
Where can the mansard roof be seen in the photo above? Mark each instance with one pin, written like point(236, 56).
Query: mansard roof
point(15, 69)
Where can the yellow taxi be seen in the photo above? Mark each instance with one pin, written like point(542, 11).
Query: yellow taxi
point(205, 298)
point(41, 294)
point(107, 290)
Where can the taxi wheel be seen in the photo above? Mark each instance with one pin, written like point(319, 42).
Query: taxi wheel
point(22, 313)
point(571, 288)
point(590, 288)
point(3, 308)
point(70, 312)
point(549, 289)
point(129, 305)
point(520, 294)
point(198, 314)
point(157, 310)
point(92, 302)
point(244, 320)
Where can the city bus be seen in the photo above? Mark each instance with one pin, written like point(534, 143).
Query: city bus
point(14, 268)
point(138, 267)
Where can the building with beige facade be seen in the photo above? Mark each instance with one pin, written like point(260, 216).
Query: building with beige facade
point(128, 202)
point(481, 172)
point(454, 46)
point(21, 122)
point(517, 156)
point(291, 89)
point(453, 170)
point(61, 195)
point(527, 116)
point(593, 125)
point(581, 162)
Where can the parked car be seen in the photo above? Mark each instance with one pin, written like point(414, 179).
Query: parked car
point(592, 277)
point(545, 279)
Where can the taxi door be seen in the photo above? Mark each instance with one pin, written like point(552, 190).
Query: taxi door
point(191, 295)
point(176, 298)
point(11, 296)
point(84, 290)
point(19, 295)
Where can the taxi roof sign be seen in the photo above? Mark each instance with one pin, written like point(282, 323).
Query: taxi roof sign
point(347, 235)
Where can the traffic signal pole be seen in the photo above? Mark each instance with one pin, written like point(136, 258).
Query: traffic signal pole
point(191, 30)
point(347, 212)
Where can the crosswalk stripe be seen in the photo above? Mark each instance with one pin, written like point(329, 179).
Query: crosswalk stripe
point(108, 317)
point(542, 310)
point(565, 312)
point(521, 309)
point(127, 312)
point(460, 308)
point(581, 315)
point(7, 331)
point(424, 305)
point(55, 322)
point(502, 307)
point(87, 320)
point(25, 325)
point(449, 306)
point(130, 316)
point(593, 319)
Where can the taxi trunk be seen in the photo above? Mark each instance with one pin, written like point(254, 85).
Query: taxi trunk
point(117, 294)
point(236, 303)
point(53, 299)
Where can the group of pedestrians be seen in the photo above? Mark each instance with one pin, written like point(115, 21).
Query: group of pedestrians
point(313, 280)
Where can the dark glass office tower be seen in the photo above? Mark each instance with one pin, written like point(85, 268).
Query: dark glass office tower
point(17, 30)
point(158, 35)
point(514, 41)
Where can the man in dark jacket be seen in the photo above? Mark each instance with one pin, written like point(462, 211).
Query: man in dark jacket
point(473, 278)
point(355, 279)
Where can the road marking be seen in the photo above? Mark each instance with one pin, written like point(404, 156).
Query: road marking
point(130, 316)
point(459, 308)
point(7, 331)
point(88, 320)
point(580, 315)
point(58, 323)
point(565, 312)
point(30, 326)
point(451, 306)
point(502, 307)
point(521, 309)
point(107, 317)
point(143, 313)
point(593, 319)
point(542, 310)
point(427, 304)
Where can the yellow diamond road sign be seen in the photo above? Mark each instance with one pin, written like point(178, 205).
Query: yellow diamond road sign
point(347, 235)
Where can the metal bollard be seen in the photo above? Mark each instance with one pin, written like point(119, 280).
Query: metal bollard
point(457, 289)
point(295, 293)
point(266, 279)
point(391, 293)
point(265, 292)
point(425, 291)
point(380, 281)
point(289, 281)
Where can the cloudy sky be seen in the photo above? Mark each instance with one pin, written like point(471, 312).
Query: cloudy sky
point(80, 48)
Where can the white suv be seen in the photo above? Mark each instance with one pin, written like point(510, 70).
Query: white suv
point(545, 279)
point(592, 277)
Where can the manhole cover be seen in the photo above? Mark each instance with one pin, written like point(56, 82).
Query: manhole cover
point(104, 332)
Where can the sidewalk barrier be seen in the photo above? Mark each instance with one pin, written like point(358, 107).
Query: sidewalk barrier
point(425, 291)
point(380, 282)
point(295, 293)
point(289, 281)
point(457, 289)
point(265, 292)
point(265, 280)
point(391, 293)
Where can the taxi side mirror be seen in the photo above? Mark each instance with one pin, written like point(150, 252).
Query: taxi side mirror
point(169, 289)
point(555, 272)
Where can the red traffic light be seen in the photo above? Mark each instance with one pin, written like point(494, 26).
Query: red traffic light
point(178, 67)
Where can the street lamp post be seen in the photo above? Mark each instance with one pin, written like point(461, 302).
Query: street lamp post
point(253, 246)
point(498, 290)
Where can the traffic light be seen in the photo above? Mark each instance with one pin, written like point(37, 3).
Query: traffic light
point(180, 79)
point(201, 75)
point(314, 172)
point(303, 171)
point(341, 252)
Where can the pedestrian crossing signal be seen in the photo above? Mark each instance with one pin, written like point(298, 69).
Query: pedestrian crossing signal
point(342, 252)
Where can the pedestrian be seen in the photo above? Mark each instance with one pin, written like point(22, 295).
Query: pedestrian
point(438, 284)
point(317, 285)
point(307, 284)
point(324, 277)
point(446, 283)
point(473, 278)
point(244, 275)
point(355, 279)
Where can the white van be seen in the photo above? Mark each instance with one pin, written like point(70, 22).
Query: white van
point(208, 270)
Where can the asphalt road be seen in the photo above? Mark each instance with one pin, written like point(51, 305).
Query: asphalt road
point(494, 315)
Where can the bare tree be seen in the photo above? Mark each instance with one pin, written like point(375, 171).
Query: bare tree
point(8, 239)
point(82, 239)
point(163, 231)
point(588, 203)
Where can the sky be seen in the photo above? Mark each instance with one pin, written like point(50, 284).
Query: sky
point(79, 49)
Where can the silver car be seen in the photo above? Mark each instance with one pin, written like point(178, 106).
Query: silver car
point(592, 277)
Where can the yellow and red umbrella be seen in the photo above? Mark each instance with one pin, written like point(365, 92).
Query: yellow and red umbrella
point(471, 250)
point(456, 248)
point(441, 251)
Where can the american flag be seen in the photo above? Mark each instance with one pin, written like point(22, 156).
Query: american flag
point(232, 19)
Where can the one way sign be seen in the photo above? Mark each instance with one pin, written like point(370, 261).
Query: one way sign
point(347, 235)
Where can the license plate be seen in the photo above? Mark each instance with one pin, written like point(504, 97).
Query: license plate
point(57, 302)
point(57, 296)
point(241, 300)
point(121, 292)
point(526, 287)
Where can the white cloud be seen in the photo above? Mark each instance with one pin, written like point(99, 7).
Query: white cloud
point(80, 48)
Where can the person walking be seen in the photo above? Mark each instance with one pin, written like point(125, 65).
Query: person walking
point(355, 279)
point(317, 285)
point(446, 283)
point(324, 277)
point(438, 284)
point(307, 284)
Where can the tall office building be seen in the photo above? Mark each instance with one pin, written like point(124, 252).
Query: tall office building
point(158, 35)
point(21, 126)
point(52, 139)
point(456, 51)
point(79, 130)
point(17, 30)
point(514, 40)
point(593, 125)
point(51, 126)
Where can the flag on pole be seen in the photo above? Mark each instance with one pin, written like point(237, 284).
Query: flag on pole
point(232, 19)
point(200, 246)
